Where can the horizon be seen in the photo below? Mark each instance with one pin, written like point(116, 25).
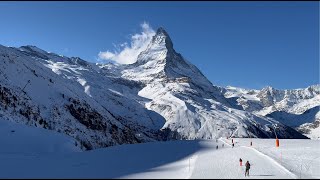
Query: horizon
point(243, 52)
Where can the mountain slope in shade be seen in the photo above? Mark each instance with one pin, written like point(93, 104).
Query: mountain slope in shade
point(295, 120)
point(306, 123)
point(312, 128)
point(16, 138)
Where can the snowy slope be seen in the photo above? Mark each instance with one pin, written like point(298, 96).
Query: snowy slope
point(245, 98)
point(20, 139)
point(224, 163)
point(300, 157)
point(172, 159)
point(169, 159)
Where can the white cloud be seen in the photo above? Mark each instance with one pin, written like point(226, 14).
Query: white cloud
point(127, 54)
point(106, 55)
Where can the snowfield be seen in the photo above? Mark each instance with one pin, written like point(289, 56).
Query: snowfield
point(30, 152)
point(16, 138)
point(301, 157)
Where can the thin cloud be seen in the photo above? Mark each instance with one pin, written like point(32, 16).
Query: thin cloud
point(127, 54)
point(66, 50)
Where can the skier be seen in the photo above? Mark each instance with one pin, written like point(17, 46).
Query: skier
point(240, 162)
point(247, 168)
point(232, 145)
point(217, 147)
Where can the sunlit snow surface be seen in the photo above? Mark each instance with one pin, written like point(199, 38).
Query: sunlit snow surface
point(29, 152)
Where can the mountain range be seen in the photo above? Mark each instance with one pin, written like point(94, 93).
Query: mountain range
point(160, 97)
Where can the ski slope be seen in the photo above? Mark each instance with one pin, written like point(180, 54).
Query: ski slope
point(29, 152)
point(224, 163)
point(301, 157)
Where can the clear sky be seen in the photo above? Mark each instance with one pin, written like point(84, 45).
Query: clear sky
point(244, 44)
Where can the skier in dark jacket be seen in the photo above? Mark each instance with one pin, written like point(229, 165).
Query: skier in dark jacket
point(247, 168)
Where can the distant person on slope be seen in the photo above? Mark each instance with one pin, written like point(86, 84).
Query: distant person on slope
point(247, 168)
point(240, 162)
point(232, 145)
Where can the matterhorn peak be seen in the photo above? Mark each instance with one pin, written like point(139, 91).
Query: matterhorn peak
point(161, 31)
point(163, 63)
point(162, 38)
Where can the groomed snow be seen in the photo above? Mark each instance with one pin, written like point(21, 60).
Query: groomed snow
point(30, 152)
point(20, 139)
point(300, 157)
point(224, 163)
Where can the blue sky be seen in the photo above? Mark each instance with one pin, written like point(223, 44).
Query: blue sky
point(245, 44)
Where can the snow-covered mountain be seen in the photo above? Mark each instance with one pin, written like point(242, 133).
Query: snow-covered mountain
point(191, 105)
point(159, 97)
point(268, 99)
point(297, 108)
point(54, 92)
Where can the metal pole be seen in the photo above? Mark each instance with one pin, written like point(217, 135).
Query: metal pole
point(277, 140)
point(300, 169)
point(275, 131)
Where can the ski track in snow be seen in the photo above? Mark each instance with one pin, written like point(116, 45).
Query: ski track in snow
point(275, 162)
point(224, 163)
